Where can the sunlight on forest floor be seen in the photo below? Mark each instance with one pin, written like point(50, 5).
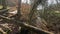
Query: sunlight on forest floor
point(1, 6)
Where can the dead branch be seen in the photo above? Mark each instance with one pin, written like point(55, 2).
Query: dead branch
point(4, 10)
point(30, 27)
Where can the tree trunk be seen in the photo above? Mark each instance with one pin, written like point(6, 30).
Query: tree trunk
point(4, 4)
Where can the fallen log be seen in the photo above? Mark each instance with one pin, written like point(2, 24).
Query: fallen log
point(27, 26)
point(5, 10)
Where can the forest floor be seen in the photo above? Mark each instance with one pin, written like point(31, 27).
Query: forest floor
point(1, 6)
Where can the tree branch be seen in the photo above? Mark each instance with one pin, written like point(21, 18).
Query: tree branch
point(35, 29)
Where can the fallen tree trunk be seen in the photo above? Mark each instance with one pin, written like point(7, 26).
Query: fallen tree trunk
point(30, 27)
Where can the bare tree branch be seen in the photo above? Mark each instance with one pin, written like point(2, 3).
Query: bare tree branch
point(35, 29)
